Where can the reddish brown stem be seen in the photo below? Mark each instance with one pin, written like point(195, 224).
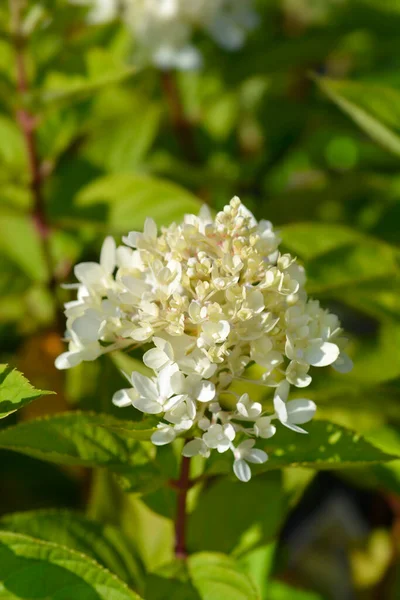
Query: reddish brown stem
point(28, 124)
point(182, 485)
point(182, 126)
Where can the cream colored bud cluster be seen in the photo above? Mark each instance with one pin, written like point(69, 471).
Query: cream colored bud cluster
point(206, 298)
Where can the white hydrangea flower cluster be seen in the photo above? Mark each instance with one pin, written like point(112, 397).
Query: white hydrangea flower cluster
point(163, 29)
point(210, 298)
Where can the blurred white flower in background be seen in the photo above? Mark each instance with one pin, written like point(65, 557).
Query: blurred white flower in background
point(163, 29)
point(101, 11)
point(207, 298)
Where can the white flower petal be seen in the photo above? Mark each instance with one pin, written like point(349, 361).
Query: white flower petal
point(108, 255)
point(242, 409)
point(183, 425)
point(88, 273)
point(178, 383)
point(266, 432)
point(141, 334)
point(223, 446)
point(195, 447)
point(302, 381)
point(242, 470)
point(294, 427)
point(280, 397)
point(343, 364)
point(124, 397)
point(300, 411)
point(145, 405)
point(164, 435)
point(246, 445)
point(205, 391)
point(155, 359)
point(131, 239)
point(191, 408)
point(255, 410)
point(204, 423)
point(321, 354)
point(66, 360)
point(224, 330)
point(137, 287)
point(87, 326)
point(150, 228)
point(257, 456)
point(229, 431)
point(144, 386)
point(173, 402)
point(164, 346)
point(164, 380)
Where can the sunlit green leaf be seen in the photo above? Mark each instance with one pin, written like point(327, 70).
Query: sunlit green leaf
point(20, 241)
point(258, 564)
point(89, 440)
point(205, 576)
point(326, 446)
point(121, 202)
point(12, 150)
point(30, 568)
point(374, 108)
point(277, 590)
point(338, 257)
point(103, 543)
point(308, 240)
point(62, 90)
point(15, 391)
point(230, 530)
point(113, 145)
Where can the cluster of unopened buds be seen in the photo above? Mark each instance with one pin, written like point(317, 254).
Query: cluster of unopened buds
point(207, 298)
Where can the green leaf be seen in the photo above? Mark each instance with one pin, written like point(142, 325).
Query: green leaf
point(129, 199)
point(110, 143)
point(236, 531)
point(121, 202)
point(277, 590)
point(217, 577)
point(20, 242)
point(205, 576)
point(386, 438)
point(379, 298)
point(325, 238)
point(15, 391)
point(12, 149)
point(258, 564)
point(104, 543)
point(64, 90)
point(326, 446)
point(30, 568)
point(90, 440)
point(339, 258)
point(374, 108)
point(377, 359)
point(137, 520)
